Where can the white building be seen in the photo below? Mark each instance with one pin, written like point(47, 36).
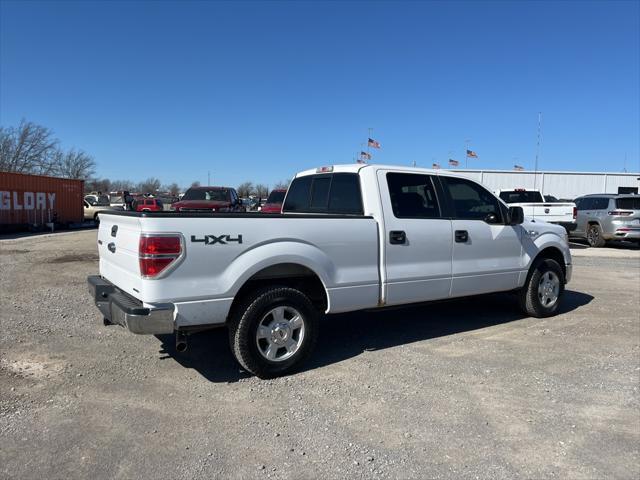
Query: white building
point(566, 185)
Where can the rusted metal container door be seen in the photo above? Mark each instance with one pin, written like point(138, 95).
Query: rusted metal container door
point(37, 200)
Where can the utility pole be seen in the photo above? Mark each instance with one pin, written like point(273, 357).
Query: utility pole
point(535, 169)
point(208, 178)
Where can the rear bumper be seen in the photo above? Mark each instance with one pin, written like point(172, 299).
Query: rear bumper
point(626, 234)
point(121, 309)
point(568, 226)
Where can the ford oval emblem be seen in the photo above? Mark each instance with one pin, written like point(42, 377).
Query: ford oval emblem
point(546, 210)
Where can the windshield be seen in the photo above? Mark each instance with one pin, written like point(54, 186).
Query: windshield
point(276, 197)
point(219, 195)
point(514, 196)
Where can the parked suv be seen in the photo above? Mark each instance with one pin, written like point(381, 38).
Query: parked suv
point(209, 199)
point(606, 217)
point(147, 205)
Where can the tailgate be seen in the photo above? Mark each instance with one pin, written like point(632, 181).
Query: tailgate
point(553, 212)
point(118, 238)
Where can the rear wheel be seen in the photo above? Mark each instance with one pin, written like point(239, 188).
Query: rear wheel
point(273, 331)
point(594, 236)
point(542, 293)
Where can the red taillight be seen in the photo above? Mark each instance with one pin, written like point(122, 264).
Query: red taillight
point(575, 212)
point(620, 213)
point(157, 252)
point(164, 245)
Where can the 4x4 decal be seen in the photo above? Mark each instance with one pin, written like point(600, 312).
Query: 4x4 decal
point(214, 239)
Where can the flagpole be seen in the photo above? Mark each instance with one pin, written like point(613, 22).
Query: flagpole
point(466, 154)
point(370, 133)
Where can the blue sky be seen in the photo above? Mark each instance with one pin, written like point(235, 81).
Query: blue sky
point(259, 90)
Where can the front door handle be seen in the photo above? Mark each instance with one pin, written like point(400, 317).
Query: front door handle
point(397, 237)
point(112, 247)
point(462, 236)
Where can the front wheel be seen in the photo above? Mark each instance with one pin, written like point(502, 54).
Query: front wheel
point(541, 294)
point(273, 331)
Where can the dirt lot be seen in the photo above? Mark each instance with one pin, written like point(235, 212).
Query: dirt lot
point(468, 388)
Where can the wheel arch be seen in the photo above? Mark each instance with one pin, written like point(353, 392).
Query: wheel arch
point(552, 253)
point(287, 274)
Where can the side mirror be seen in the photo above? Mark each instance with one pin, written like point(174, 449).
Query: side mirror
point(516, 215)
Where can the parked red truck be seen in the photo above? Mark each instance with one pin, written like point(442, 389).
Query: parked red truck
point(209, 199)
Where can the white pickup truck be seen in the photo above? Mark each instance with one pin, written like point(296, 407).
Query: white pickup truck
point(351, 237)
point(535, 205)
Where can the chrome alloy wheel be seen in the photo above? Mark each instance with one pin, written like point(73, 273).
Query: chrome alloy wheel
point(548, 289)
point(593, 235)
point(280, 333)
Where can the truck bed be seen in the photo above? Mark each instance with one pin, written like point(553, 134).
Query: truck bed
point(222, 251)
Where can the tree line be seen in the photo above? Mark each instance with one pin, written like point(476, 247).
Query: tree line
point(32, 148)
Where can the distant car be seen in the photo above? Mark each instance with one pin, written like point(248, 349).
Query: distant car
point(607, 217)
point(274, 201)
point(209, 199)
point(147, 205)
point(97, 199)
point(91, 211)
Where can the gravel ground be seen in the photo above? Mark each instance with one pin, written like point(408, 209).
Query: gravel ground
point(465, 389)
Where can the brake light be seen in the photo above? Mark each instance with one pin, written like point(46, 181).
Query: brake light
point(324, 169)
point(619, 213)
point(157, 252)
point(575, 212)
point(520, 190)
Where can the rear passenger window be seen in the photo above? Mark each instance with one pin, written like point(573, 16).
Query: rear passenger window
point(470, 201)
point(337, 193)
point(601, 203)
point(412, 196)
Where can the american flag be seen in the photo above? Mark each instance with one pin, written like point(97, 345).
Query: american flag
point(365, 156)
point(453, 163)
point(518, 167)
point(373, 143)
point(472, 154)
point(435, 165)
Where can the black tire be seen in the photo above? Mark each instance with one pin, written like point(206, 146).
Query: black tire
point(594, 236)
point(245, 320)
point(529, 297)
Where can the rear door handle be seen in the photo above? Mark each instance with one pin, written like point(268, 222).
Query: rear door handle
point(462, 236)
point(397, 237)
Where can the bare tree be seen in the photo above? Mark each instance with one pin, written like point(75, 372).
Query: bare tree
point(121, 185)
point(150, 185)
point(195, 184)
point(29, 148)
point(73, 164)
point(245, 189)
point(173, 189)
point(97, 185)
point(262, 190)
point(282, 185)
